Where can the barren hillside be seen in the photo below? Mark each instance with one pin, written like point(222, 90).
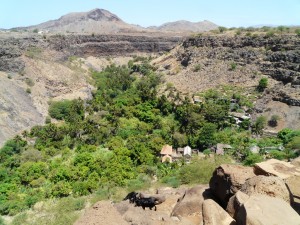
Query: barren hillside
point(205, 62)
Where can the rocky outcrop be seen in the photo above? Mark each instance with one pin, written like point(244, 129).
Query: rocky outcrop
point(191, 201)
point(213, 214)
point(288, 172)
point(265, 210)
point(271, 186)
point(111, 45)
point(227, 180)
point(277, 57)
point(79, 45)
point(235, 203)
point(10, 57)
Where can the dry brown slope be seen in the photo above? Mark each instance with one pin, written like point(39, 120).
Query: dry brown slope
point(209, 61)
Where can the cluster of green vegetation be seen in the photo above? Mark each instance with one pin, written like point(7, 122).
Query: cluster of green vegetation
point(114, 140)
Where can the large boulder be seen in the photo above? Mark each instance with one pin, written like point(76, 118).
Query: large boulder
point(272, 186)
point(290, 173)
point(296, 162)
point(214, 214)
point(227, 180)
point(266, 210)
point(235, 203)
point(274, 167)
point(191, 202)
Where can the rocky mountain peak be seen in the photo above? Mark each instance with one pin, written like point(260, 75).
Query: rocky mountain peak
point(102, 14)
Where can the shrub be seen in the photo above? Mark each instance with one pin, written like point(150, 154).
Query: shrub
point(29, 82)
point(197, 68)
point(277, 154)
point(207, 152)
point(273, 122)
point(28, 90)
point(48, 120)
point(262, 85)
point(251, 159)
point(259, 125)
point(297, 31)
point(222, 29)
point(61, 189)
point(238, 32)
point(233, 66)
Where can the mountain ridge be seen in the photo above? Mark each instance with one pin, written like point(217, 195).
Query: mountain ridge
point(103, 21)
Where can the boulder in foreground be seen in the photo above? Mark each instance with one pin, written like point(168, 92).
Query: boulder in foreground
point(227, 180)
point(265, 210)
point(213, 214)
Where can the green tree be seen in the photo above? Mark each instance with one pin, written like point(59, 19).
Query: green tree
point(259, 125)
point(207, 135)
point(60, 110)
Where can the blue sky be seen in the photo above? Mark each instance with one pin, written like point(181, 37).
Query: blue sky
point(229, 13)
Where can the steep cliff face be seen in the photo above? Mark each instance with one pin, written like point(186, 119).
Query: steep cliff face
point(205, 62)
point(38, 69)
point(277, 57)
point(112, 45)
point(12, 48)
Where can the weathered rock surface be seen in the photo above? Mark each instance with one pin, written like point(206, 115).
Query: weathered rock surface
point(111, 45)
point(11, 48)
point(265, 210)
point(285, 170)
point(227, 180)
point(235, 203)
point(267, 185)
point(214, 214)
point(296, 162)
point(191, 201)
point(254, 57)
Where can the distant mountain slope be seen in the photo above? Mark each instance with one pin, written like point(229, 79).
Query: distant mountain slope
point(94, 21)
point(101, 21)
point(187, 26)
